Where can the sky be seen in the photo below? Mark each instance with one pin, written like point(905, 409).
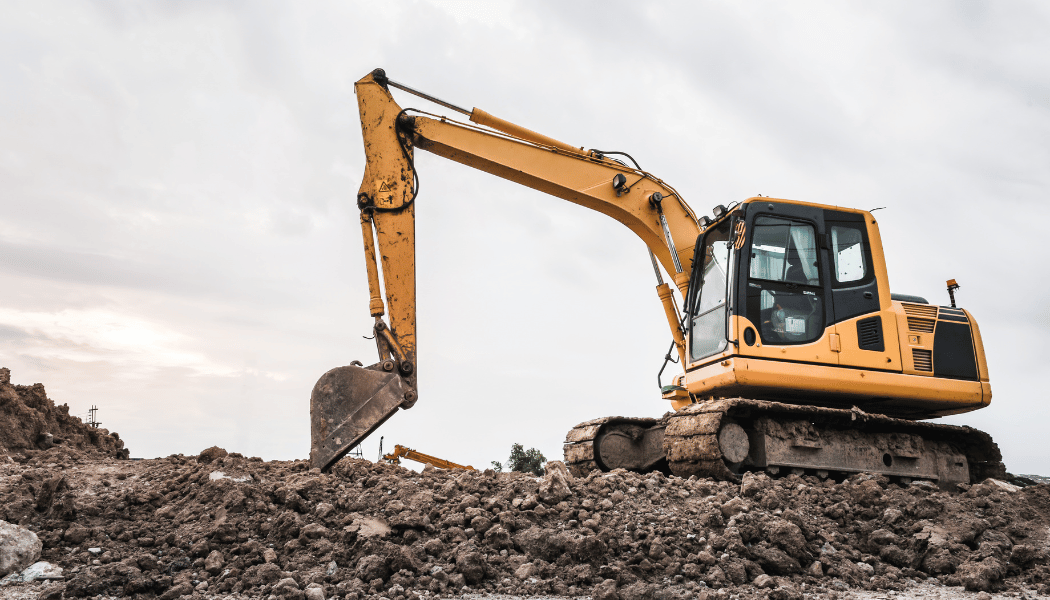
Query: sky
point(179, 243)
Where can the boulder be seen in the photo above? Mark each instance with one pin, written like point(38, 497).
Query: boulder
point(19, 548)
point(556, 484)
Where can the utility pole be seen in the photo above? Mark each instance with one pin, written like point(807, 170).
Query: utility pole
point(93, 417)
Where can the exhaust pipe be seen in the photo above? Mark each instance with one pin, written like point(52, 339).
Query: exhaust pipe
point(349, 403)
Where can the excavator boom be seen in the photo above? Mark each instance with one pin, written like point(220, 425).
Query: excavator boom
point(350, 402)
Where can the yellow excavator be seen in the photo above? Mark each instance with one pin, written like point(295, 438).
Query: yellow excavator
point(795, 355)
point(426, 459)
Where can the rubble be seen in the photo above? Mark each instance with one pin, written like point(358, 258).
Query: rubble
point(31, 424)
point(169, 527)
point(166, 528)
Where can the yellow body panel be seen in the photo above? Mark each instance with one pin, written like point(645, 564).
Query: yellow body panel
point(833, 386)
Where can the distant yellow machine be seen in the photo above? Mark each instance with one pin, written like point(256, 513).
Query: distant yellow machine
point(403, 452)
point(795, 355)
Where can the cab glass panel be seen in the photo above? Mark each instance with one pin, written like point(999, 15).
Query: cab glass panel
point(784, 293)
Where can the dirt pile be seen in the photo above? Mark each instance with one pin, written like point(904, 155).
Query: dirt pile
point(223, 524)
point(30, 422)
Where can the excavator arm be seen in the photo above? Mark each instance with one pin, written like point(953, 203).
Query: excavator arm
point(348, 403)
point(426, 459)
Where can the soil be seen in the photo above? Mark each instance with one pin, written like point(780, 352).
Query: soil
point(30, 421)
point(224, 525)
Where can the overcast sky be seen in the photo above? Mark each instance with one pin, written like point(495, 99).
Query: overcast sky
point(179, 243)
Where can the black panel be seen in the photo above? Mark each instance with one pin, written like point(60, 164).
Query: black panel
point(908, 298)
point(854, 302)
point(869, 334)
point(953, 354)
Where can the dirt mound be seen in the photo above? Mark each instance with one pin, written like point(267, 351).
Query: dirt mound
point(240, 526)
point(30, 423)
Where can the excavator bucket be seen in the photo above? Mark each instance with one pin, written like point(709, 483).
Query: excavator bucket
point(347, 404)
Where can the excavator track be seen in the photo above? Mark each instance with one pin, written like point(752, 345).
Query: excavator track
point(580, 455)
point(724, 438)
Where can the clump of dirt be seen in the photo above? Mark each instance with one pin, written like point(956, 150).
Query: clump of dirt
point(30, 423)
point(234, 526)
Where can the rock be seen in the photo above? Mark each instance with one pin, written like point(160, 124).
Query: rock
point(764, 581)
point(638, 590)
point(525, 571)
point(286, 582)
point(211, 454)
point(269, 555)
point(372, 567)
point(882, 537)
point(213, 564)
point(42, 571)
point(1026, 555)
point(982, 576)
point(261, 575)
point(786, 592)
point(76, 534)
point(1002, 485)
point(789, 537)
point(314, 591)
point(776, 560)
point(472, 565)
point(815, 569)
point(606, 590)
point(734, 507)
point(313, 531)
point(177, 591)
point(369, 527)
point(19, 548)
point(866, 493)
point(538, 542)
point(556, 484)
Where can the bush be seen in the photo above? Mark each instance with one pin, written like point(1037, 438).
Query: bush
point(523, 461)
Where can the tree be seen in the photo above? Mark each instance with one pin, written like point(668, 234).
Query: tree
point(523, 461)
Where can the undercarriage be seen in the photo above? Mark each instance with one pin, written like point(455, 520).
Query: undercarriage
point(725, 438)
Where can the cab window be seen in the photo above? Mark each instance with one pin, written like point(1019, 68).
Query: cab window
point(708, 314)
point(784, 293)
point(847, 252)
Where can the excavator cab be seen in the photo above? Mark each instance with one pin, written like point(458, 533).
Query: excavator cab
point(790, 301)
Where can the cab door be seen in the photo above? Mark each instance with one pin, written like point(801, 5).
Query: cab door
point(865, 330)
point(783, 291)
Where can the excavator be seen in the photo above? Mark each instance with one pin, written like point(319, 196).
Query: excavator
point(426, 459)
point(795, 356)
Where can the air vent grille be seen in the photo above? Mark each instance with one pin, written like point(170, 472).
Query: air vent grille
point(923, 359)
point(920, 310)
point(869, 334)
point(920, 325)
